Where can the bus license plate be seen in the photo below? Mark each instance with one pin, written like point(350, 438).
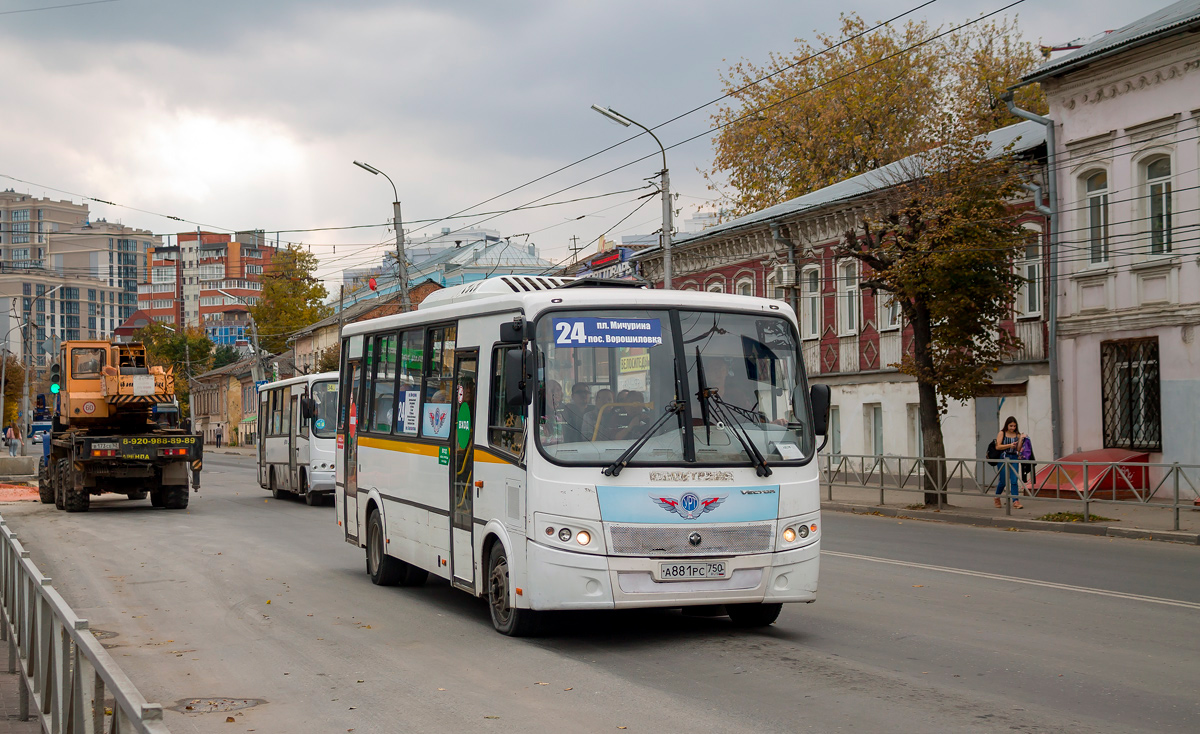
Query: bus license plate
point(689, 571)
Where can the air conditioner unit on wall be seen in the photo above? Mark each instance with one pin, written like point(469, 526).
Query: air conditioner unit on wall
point(784, 275)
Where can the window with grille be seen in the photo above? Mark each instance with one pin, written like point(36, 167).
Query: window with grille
point(1130, 395)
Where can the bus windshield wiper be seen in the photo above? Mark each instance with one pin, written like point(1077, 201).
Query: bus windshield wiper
point(711, 403)
point(675, 407)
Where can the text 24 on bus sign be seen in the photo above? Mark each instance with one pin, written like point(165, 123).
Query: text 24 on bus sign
point(589, 331)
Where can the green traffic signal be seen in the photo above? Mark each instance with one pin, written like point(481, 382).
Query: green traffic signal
point(55, 378)
point(55, 388)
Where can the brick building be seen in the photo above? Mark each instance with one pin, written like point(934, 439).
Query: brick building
point(849, 336)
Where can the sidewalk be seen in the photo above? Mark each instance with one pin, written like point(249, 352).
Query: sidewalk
point(235, 450)
point(10, 704)
point(1128, 519)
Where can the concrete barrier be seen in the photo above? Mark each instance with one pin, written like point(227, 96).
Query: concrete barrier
point(18, 467)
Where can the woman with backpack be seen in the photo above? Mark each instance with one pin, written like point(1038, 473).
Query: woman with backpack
point(1008, 442)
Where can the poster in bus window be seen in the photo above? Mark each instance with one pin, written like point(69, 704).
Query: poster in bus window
point(408, 419)
point(435, 420)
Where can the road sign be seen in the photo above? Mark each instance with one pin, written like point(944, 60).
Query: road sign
point(258, 386)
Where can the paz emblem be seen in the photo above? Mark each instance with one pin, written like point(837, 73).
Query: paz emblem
point(695, 539)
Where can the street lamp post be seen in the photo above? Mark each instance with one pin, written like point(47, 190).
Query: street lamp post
point(256, 367)
point(401, 262)
point(624, 121)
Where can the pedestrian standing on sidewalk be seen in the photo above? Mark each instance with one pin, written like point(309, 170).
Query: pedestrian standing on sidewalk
point(10, 436)
point(218, 436)
point(1008, 443)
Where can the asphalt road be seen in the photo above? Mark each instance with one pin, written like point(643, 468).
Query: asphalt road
point(918, 627)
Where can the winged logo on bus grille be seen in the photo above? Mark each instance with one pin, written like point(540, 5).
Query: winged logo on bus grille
point(689, 505)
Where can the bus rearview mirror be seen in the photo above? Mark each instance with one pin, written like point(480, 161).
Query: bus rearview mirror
point(515, 385)
point(819, 397)
point(512, 332)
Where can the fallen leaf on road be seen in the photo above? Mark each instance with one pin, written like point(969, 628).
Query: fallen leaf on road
point(568, 689)
point(491, 717)
point(230, 720)
point(542, 684)
point(622, 727)
point(915, 586)
point(441, 689)
point(268, 601)
point(361, 681)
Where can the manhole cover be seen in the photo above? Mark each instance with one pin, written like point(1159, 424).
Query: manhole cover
point(214, 705)
point(103, 634)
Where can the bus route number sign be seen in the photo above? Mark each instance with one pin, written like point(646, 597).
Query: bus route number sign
point(588, 331)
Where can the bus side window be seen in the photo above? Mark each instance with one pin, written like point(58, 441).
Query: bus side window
point(408, 389)
point(506, 425)
point(439, 378)
point(380, 407)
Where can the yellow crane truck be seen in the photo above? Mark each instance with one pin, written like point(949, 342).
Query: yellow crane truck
point(104, 437)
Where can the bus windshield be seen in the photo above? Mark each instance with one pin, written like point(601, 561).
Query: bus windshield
point(606, 378)
point(325, 395)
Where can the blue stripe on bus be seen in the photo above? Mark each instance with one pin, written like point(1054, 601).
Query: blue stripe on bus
point(688, 505)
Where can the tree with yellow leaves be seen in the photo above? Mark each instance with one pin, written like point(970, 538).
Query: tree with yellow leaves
point(823, 116)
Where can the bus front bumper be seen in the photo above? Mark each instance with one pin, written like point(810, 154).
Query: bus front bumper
point(564, 580)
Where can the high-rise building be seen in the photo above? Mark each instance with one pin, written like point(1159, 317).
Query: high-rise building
point(207, 279)
point(63, 276)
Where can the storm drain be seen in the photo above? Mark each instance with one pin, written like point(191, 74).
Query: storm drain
point(103, 635)
point(214, 705)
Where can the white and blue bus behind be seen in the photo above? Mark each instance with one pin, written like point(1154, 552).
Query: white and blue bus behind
point(553, 444)
point(296, 438)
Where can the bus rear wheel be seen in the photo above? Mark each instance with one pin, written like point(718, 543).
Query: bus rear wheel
point(753, 615)
point(276, 492)
point(506, 618)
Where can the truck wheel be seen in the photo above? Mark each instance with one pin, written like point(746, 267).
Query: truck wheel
point(158, 498)
point(60, 483)
point(507, 619)
point(383, 569)
point(45, 486)
point(75, 498)
point(176, 497)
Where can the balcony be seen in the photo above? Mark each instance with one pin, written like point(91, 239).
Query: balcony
point(156, 288)
point(230, 285)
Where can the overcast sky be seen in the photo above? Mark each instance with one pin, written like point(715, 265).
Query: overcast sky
point(243, 114)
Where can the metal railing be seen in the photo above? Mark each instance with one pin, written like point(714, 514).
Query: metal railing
point(1173, 487)
point(67, 678)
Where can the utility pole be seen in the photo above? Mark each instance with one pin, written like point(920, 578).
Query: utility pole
point(401, 262)
point(620, 119)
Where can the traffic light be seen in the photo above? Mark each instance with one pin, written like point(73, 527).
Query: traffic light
point(55, 378)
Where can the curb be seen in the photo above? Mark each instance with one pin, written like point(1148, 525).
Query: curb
point(1005, 523)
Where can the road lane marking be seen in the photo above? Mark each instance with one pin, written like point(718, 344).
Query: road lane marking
point(1018, 580)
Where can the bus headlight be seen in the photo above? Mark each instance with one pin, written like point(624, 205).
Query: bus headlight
point(789, 535)
point(583, 537)
point(804, 531)
point(564, 535)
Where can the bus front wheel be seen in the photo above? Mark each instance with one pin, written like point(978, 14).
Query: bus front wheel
point(506, 618)
point(383, 569)
point(753, 615)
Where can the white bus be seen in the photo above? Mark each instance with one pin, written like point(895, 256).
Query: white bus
point(547, 443)
point(296, 436)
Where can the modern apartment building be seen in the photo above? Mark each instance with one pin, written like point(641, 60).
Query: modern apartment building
point(207, 279)
point(95, 265)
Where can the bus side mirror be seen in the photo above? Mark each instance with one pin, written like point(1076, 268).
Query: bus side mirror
point(819, 397)
point(308, 408)
point(512, 332)
point(515, 384)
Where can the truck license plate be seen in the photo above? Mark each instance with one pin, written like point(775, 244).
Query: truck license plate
point(689, 571)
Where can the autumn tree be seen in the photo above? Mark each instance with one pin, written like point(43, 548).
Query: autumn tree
point(824, 116)
point(292, 298)
point(328, 359)
point(941, 244)
point(188, 351)
point(14, 384)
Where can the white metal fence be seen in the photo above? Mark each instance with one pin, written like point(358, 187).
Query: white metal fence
point(68, 680)
point(1172, 487)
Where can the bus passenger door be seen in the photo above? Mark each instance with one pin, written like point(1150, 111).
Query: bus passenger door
point(293, 445)
point(462, 470)
point(352, 379)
